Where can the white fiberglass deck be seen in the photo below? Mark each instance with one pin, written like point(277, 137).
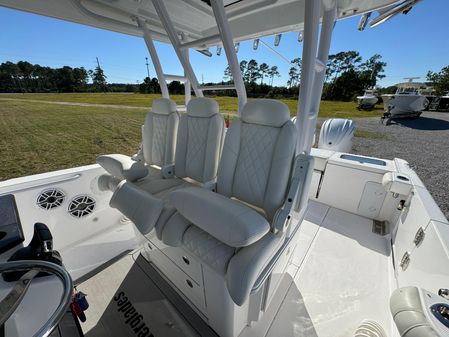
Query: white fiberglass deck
point(345, 278)
point(342, 274)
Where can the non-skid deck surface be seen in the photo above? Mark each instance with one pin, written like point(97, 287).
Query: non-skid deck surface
point(125, 301)
point(340, 275)
point(345, 278)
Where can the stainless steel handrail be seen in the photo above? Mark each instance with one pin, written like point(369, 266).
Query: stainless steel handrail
point(61, 273)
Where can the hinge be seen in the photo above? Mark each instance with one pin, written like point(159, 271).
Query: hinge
point(405, 260)
point(419, 236)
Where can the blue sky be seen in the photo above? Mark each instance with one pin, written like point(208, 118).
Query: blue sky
point(411, 45)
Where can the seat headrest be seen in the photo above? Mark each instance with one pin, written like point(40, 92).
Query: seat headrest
point(265, 112)
point(163, 106)
point(202, 107)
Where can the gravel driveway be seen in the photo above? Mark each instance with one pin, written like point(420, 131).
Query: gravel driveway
point(423, 142)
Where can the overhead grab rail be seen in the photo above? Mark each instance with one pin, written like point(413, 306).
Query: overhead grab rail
point(202, 42)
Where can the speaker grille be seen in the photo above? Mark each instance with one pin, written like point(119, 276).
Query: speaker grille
point(81, 206)
point(50, 199)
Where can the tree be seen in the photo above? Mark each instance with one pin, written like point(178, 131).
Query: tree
point(263, 70)
point(252, 71)
point(273, 72)
point(372, 70)
point(80, 77)
point(342, 62)
point(227, 76)
point(149, 86)
point(439, 80)
point(98, 79)
point(294, 73)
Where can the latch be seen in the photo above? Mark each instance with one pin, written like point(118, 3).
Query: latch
point(405, 261)
point(419, 236)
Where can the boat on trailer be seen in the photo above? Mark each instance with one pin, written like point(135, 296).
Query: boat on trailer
point(409, 101)
point(248, 232)
point(368, 100)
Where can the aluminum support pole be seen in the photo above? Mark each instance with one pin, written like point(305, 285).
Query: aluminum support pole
point(327, 27)
point(187, 86)
point(173, 36)
point(154, 57)
point(231, 55)
point(309, 62)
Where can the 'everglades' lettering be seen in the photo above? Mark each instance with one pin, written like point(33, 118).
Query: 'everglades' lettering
point(131, 316)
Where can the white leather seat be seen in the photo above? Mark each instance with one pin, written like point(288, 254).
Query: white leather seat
point(198, 148)
point(158, 146)
point(221, 229)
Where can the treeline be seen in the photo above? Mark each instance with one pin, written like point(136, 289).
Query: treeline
point(347, 76)
point(26, 77)
point(439, 81)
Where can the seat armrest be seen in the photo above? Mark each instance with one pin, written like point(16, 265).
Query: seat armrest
point(122, 167)
point(142, 208)
point(248, 263)
point(229, 221)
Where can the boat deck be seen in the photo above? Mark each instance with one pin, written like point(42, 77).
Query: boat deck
point(341, 274)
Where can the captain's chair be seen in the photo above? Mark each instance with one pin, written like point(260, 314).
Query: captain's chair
point(158, 147)
point(233, 231)
point(199, 143)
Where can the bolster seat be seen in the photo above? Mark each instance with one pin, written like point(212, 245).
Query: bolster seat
point(199, 144)
point(158, 147)
point(254, 174)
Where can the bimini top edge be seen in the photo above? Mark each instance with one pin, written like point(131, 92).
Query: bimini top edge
point(193, 19)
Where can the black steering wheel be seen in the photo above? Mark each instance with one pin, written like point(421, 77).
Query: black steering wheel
point(9, 304)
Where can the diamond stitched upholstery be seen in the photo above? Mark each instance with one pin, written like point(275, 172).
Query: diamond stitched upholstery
point(196, 146)
point(208, 249)
point(254, 162)
point(159, 136)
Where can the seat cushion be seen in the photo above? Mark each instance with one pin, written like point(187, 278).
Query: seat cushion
point(229, 221)
point(209, 250)
point(122, 167)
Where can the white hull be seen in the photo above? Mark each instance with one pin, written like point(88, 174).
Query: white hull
point(399, 105)
point(367, 100)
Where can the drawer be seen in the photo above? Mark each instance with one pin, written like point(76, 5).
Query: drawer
point(186, 262)
point(185, 284)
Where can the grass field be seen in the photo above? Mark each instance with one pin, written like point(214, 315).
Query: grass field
point(227, 104)
point(38, 137)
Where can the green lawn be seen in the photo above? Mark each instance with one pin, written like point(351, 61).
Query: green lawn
point(42, 137)
point(37, 137)
point(227, 104)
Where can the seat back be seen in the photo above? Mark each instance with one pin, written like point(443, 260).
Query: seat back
point(159, 133)
point(199, 142)
point(258, 154)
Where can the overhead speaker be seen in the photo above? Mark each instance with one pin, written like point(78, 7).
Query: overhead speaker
point(50, 199)
point(81, 206)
